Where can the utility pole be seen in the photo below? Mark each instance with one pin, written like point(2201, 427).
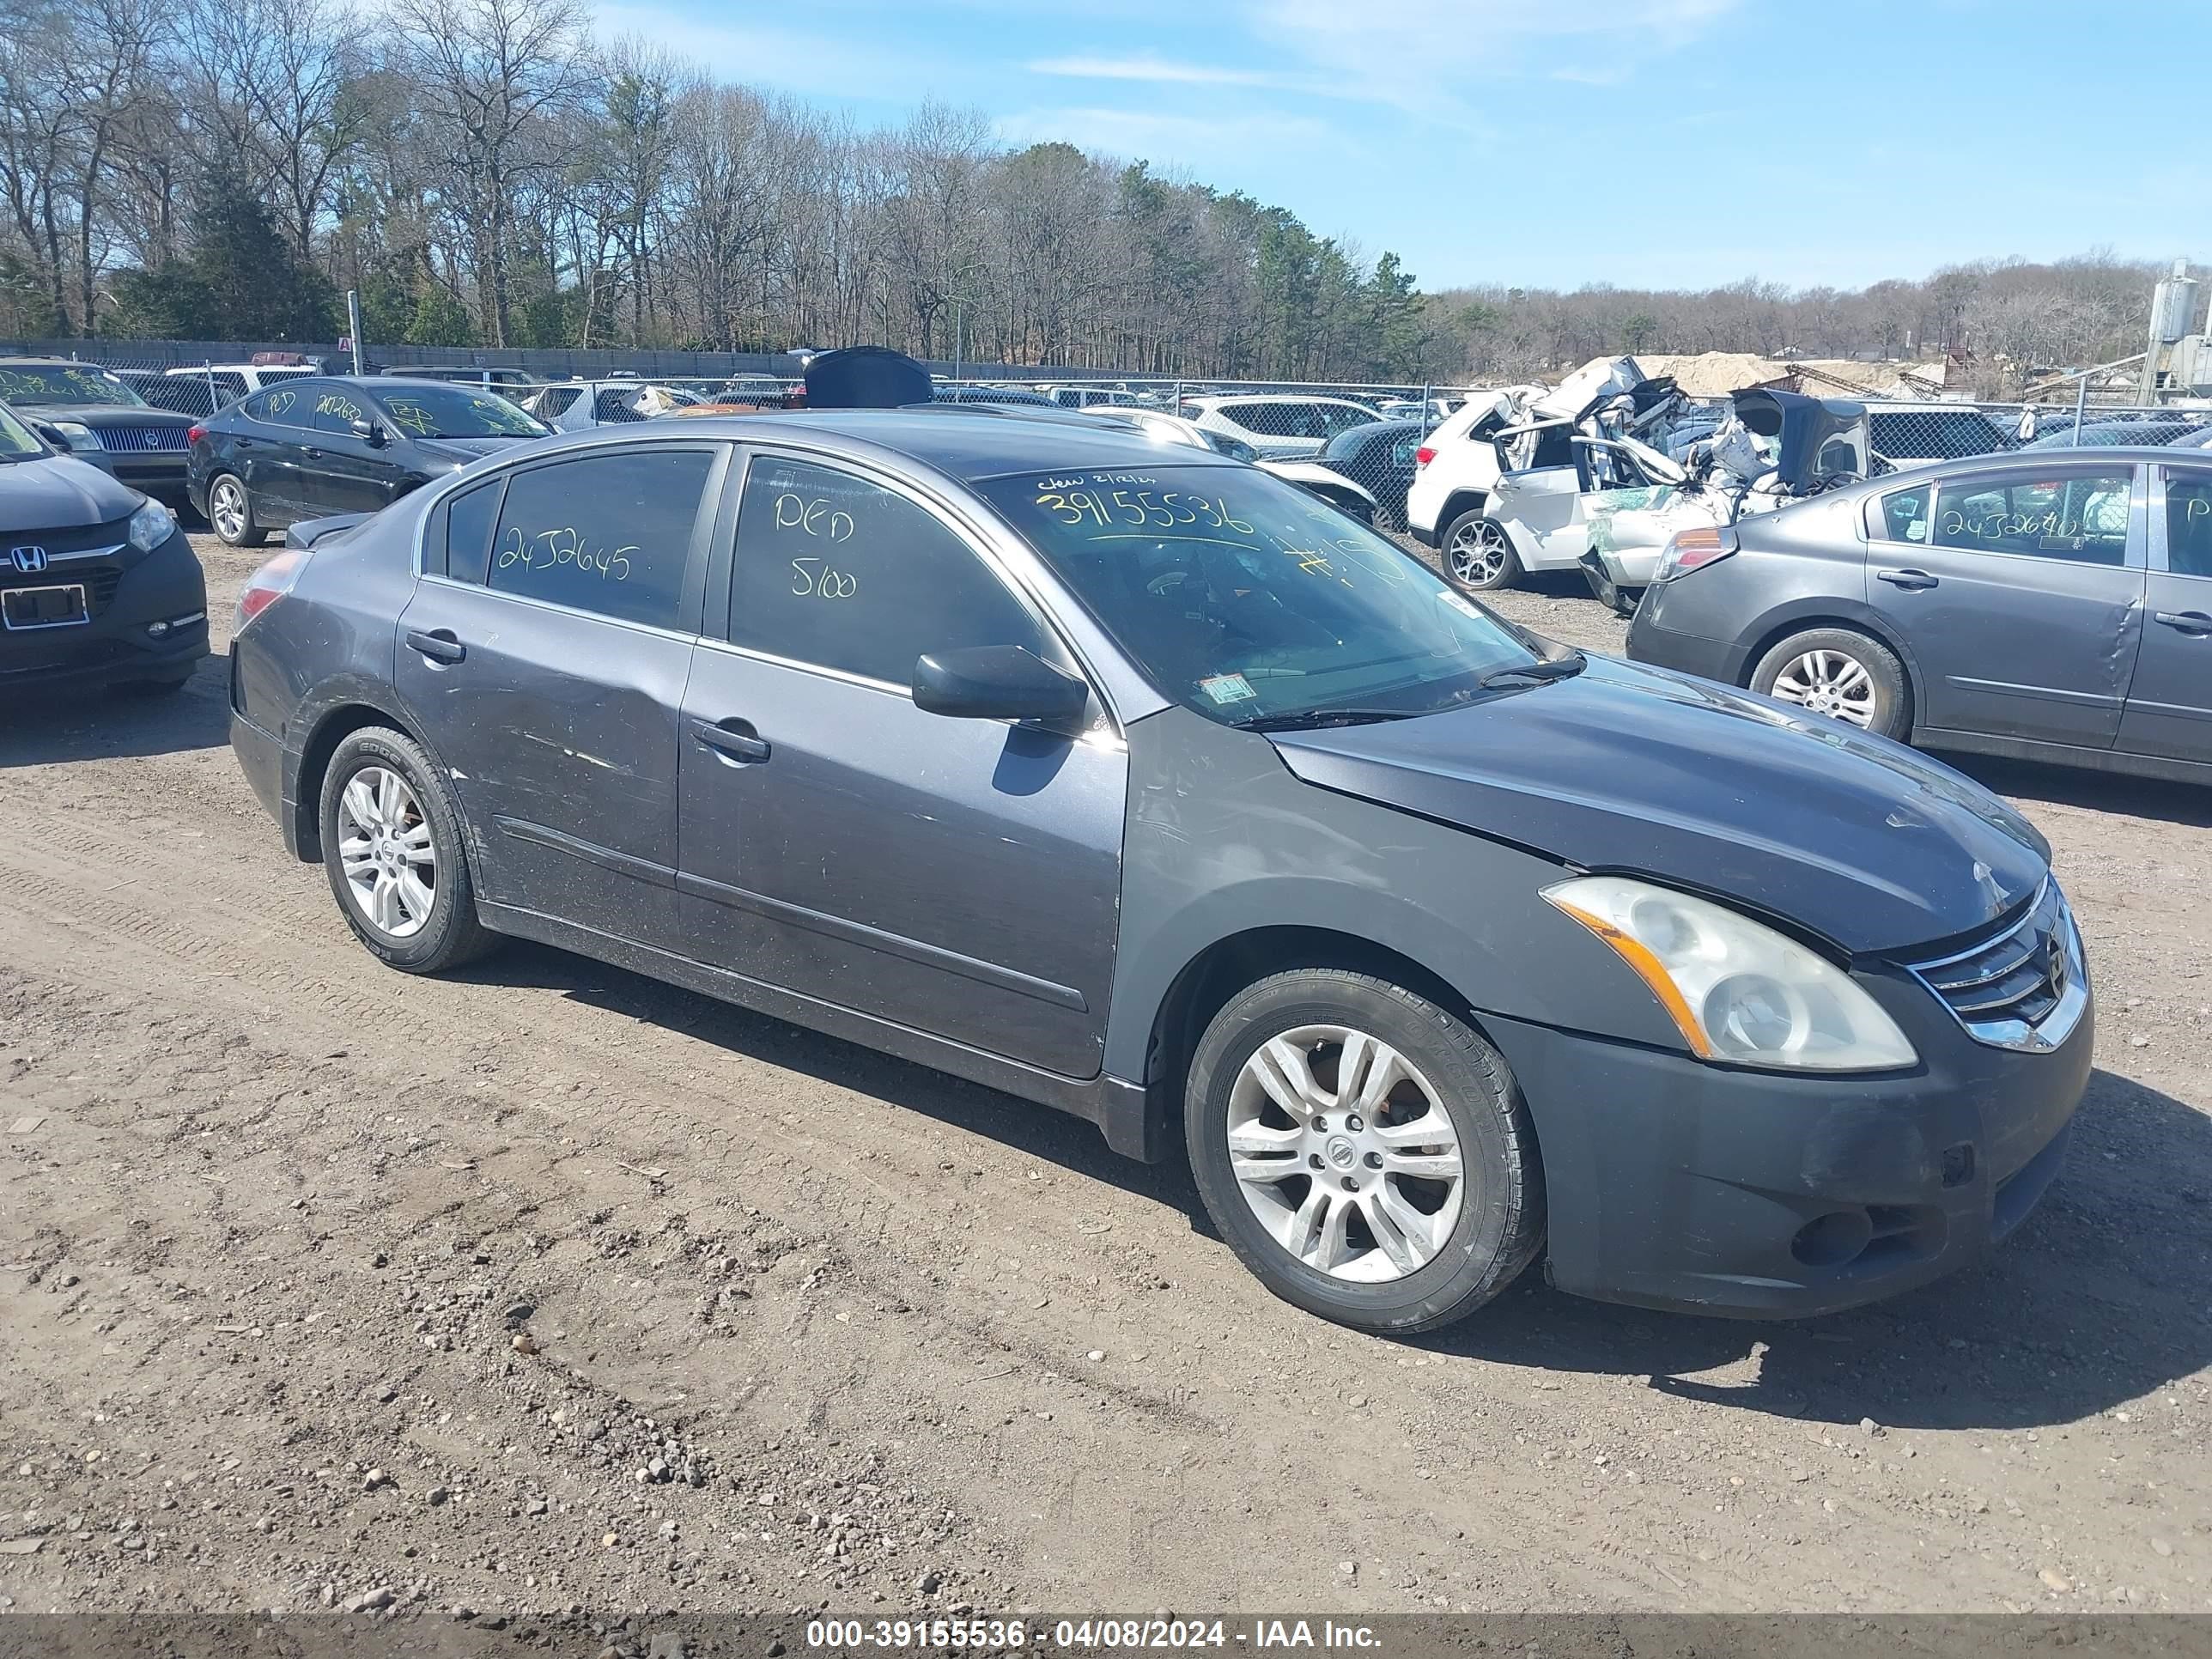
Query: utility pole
point(353, 327)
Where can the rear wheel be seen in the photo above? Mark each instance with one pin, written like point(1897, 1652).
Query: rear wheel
point(230, 510)
point(1364, 1153)
point(392, 847)
point(1479, 556)
point(1841, 674)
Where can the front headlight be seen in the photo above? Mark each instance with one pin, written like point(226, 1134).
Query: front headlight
point(150, 527)
point(79, 435)
point(1739, 991)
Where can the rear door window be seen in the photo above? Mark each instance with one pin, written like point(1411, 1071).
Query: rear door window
point(609, 533)
point(337, 408)
point(1905, 513)
point(2081, 517)
point(2188, 523)
point(287, 405)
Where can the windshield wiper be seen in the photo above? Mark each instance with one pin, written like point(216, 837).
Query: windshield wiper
point(1535, 673)
point(1306, 720)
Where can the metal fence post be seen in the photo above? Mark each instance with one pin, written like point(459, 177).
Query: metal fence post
point(214, 402)
point(2081, 406)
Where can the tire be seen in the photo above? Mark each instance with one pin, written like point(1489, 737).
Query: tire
point(419, 816)
point(1842, 673)
point(229, 503)
point(1482, 1230)
point(1478, 554)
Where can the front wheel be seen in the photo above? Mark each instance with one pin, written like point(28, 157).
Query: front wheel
point(1365, 1153)
point(1479, 556)
point(391, 844)
point(1841, 674)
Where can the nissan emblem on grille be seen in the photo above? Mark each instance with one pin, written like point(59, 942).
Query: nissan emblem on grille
point(28, 560)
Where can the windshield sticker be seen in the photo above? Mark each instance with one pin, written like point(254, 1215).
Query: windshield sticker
point(1228, 688)
point(1465, 606)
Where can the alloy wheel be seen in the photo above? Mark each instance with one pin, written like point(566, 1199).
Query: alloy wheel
point(1478, 554)
point(226, 509)
point(1344, 1152)
point(385, 848)
point(1830, 682)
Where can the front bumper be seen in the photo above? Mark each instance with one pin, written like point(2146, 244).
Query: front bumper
point(1674, 1184)
point(115, 646)
point(160, 476)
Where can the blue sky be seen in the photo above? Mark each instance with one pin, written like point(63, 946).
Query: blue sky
point(1555, 143)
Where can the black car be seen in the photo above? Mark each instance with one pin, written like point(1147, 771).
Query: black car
point(98, 586)
point(82, 408)
point(310, 449)
point(1380, 460)
point(2048, 605)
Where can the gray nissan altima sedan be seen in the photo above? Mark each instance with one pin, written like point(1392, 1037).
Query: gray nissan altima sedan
point(1132, 780)
point(2053, 606)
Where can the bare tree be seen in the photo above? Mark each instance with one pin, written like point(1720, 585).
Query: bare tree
point(493, 75)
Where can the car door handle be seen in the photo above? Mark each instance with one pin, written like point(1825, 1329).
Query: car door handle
point(1910, 580)
point(439, 645)
point(312, 454)
point(2188, 621)
point(735, 739)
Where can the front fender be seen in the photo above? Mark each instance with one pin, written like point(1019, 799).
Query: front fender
point(1222, 840)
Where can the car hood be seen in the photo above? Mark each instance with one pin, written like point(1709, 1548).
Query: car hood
point(96, 416)
point(1623, 767)
point(1314, 472)
point(464, 450)
point(59, 493)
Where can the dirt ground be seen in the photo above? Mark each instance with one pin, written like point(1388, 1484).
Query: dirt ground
point(549, 1286)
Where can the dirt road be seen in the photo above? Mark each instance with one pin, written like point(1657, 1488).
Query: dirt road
point(550, 1286)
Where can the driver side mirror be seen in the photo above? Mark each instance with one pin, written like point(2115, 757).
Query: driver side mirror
point(998, 682)
point(369, 433)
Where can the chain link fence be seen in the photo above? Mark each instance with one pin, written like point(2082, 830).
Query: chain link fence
point(1356, 443)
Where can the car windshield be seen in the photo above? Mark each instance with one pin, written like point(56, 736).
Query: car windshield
point(1248, 599)
point(453, 411)
point(65, 382)
point(17, 441)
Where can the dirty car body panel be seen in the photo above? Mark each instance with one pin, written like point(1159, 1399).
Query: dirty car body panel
point(742, 799)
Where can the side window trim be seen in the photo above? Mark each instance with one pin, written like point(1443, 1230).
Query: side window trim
point(952, 524)
point(693, 591)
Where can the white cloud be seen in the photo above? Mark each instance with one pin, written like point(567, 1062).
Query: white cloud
point(1396, 51)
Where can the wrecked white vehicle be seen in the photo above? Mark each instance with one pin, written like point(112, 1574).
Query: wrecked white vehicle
point(1776, 447)
point(1606, 429)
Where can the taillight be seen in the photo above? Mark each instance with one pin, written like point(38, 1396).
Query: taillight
point(194, 433)
point(270, 584)
point(1693, 549)
point(1423, 455)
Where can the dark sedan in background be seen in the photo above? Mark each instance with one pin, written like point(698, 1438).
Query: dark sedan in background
point(311, 448)
point(83, 409)
point(1379, 458)
point(98, 586)
point(2050, 604)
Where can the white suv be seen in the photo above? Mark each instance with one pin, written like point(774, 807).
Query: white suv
point(1279, 426)
point(1456, 469)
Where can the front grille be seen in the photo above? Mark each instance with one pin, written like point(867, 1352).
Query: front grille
point(2023, 988)
point(144, 440)
point(100, 587)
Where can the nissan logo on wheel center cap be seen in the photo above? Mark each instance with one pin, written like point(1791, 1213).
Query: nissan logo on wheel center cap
point(28, 560)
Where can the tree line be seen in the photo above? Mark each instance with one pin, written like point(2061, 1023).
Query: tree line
point(487, 172)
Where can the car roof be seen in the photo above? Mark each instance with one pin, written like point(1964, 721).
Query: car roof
point(49, 362)
point(964, 441)
point(1277, 398)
